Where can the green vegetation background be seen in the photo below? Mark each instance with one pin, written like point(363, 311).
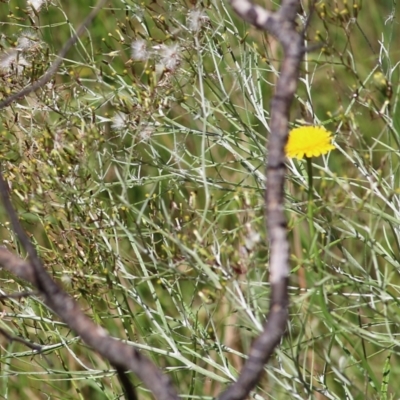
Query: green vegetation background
point(143, 191)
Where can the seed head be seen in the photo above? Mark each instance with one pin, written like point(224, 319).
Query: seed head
point(170, 57)
point(196, 19)
point(139, 50)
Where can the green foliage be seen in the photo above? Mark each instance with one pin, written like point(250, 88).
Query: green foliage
point(139, 174)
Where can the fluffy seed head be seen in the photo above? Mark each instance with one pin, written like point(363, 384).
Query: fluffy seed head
point(119, 121)
point(139, 50)
point(28, 40)
point(12, 59)
point(35, 5)
point(170, 57)
point(196, 19)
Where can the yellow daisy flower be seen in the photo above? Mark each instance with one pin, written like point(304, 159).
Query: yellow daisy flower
point(309, 141)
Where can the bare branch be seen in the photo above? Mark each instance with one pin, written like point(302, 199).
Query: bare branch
point(36, 347)
point(282, 25)
point(18, 295)
point(11, 338)
point(60, 58)
point(130, 393)
point(122, 356)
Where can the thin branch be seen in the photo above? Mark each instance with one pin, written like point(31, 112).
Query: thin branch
point(282, 25)
point(36, 347)
point(11, 338)
point(18, 295)
point(119, 354)
point(130, 392)
point(60, 58)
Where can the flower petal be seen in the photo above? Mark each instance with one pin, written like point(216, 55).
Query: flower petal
point(309, 141)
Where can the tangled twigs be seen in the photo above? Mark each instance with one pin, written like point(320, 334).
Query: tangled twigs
point(122, 356)
point(127, 358)
point(56, 64)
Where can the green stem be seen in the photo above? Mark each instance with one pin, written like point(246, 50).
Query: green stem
point(310, 209)
point(313, 250)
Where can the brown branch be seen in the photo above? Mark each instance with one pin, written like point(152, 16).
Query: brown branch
point(122, 356)
point(130, 392)
point(18, 295)
point(11, 338)
point(282, 25)
point(35, 347)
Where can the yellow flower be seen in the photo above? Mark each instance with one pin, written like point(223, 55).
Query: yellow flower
point(309, 141)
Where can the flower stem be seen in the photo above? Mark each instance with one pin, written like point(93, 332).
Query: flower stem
point(314, 254)
point(310, 209)
point(313, 249)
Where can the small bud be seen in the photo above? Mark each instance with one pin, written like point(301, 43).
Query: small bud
point(380, 82)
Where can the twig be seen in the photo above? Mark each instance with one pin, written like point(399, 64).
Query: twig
point(282, 25)
point(18, 295)
point(36, 347)
point(60, 58)
point(12, 338)
point(123, 357)
point(120, 355)
point(130, 393)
